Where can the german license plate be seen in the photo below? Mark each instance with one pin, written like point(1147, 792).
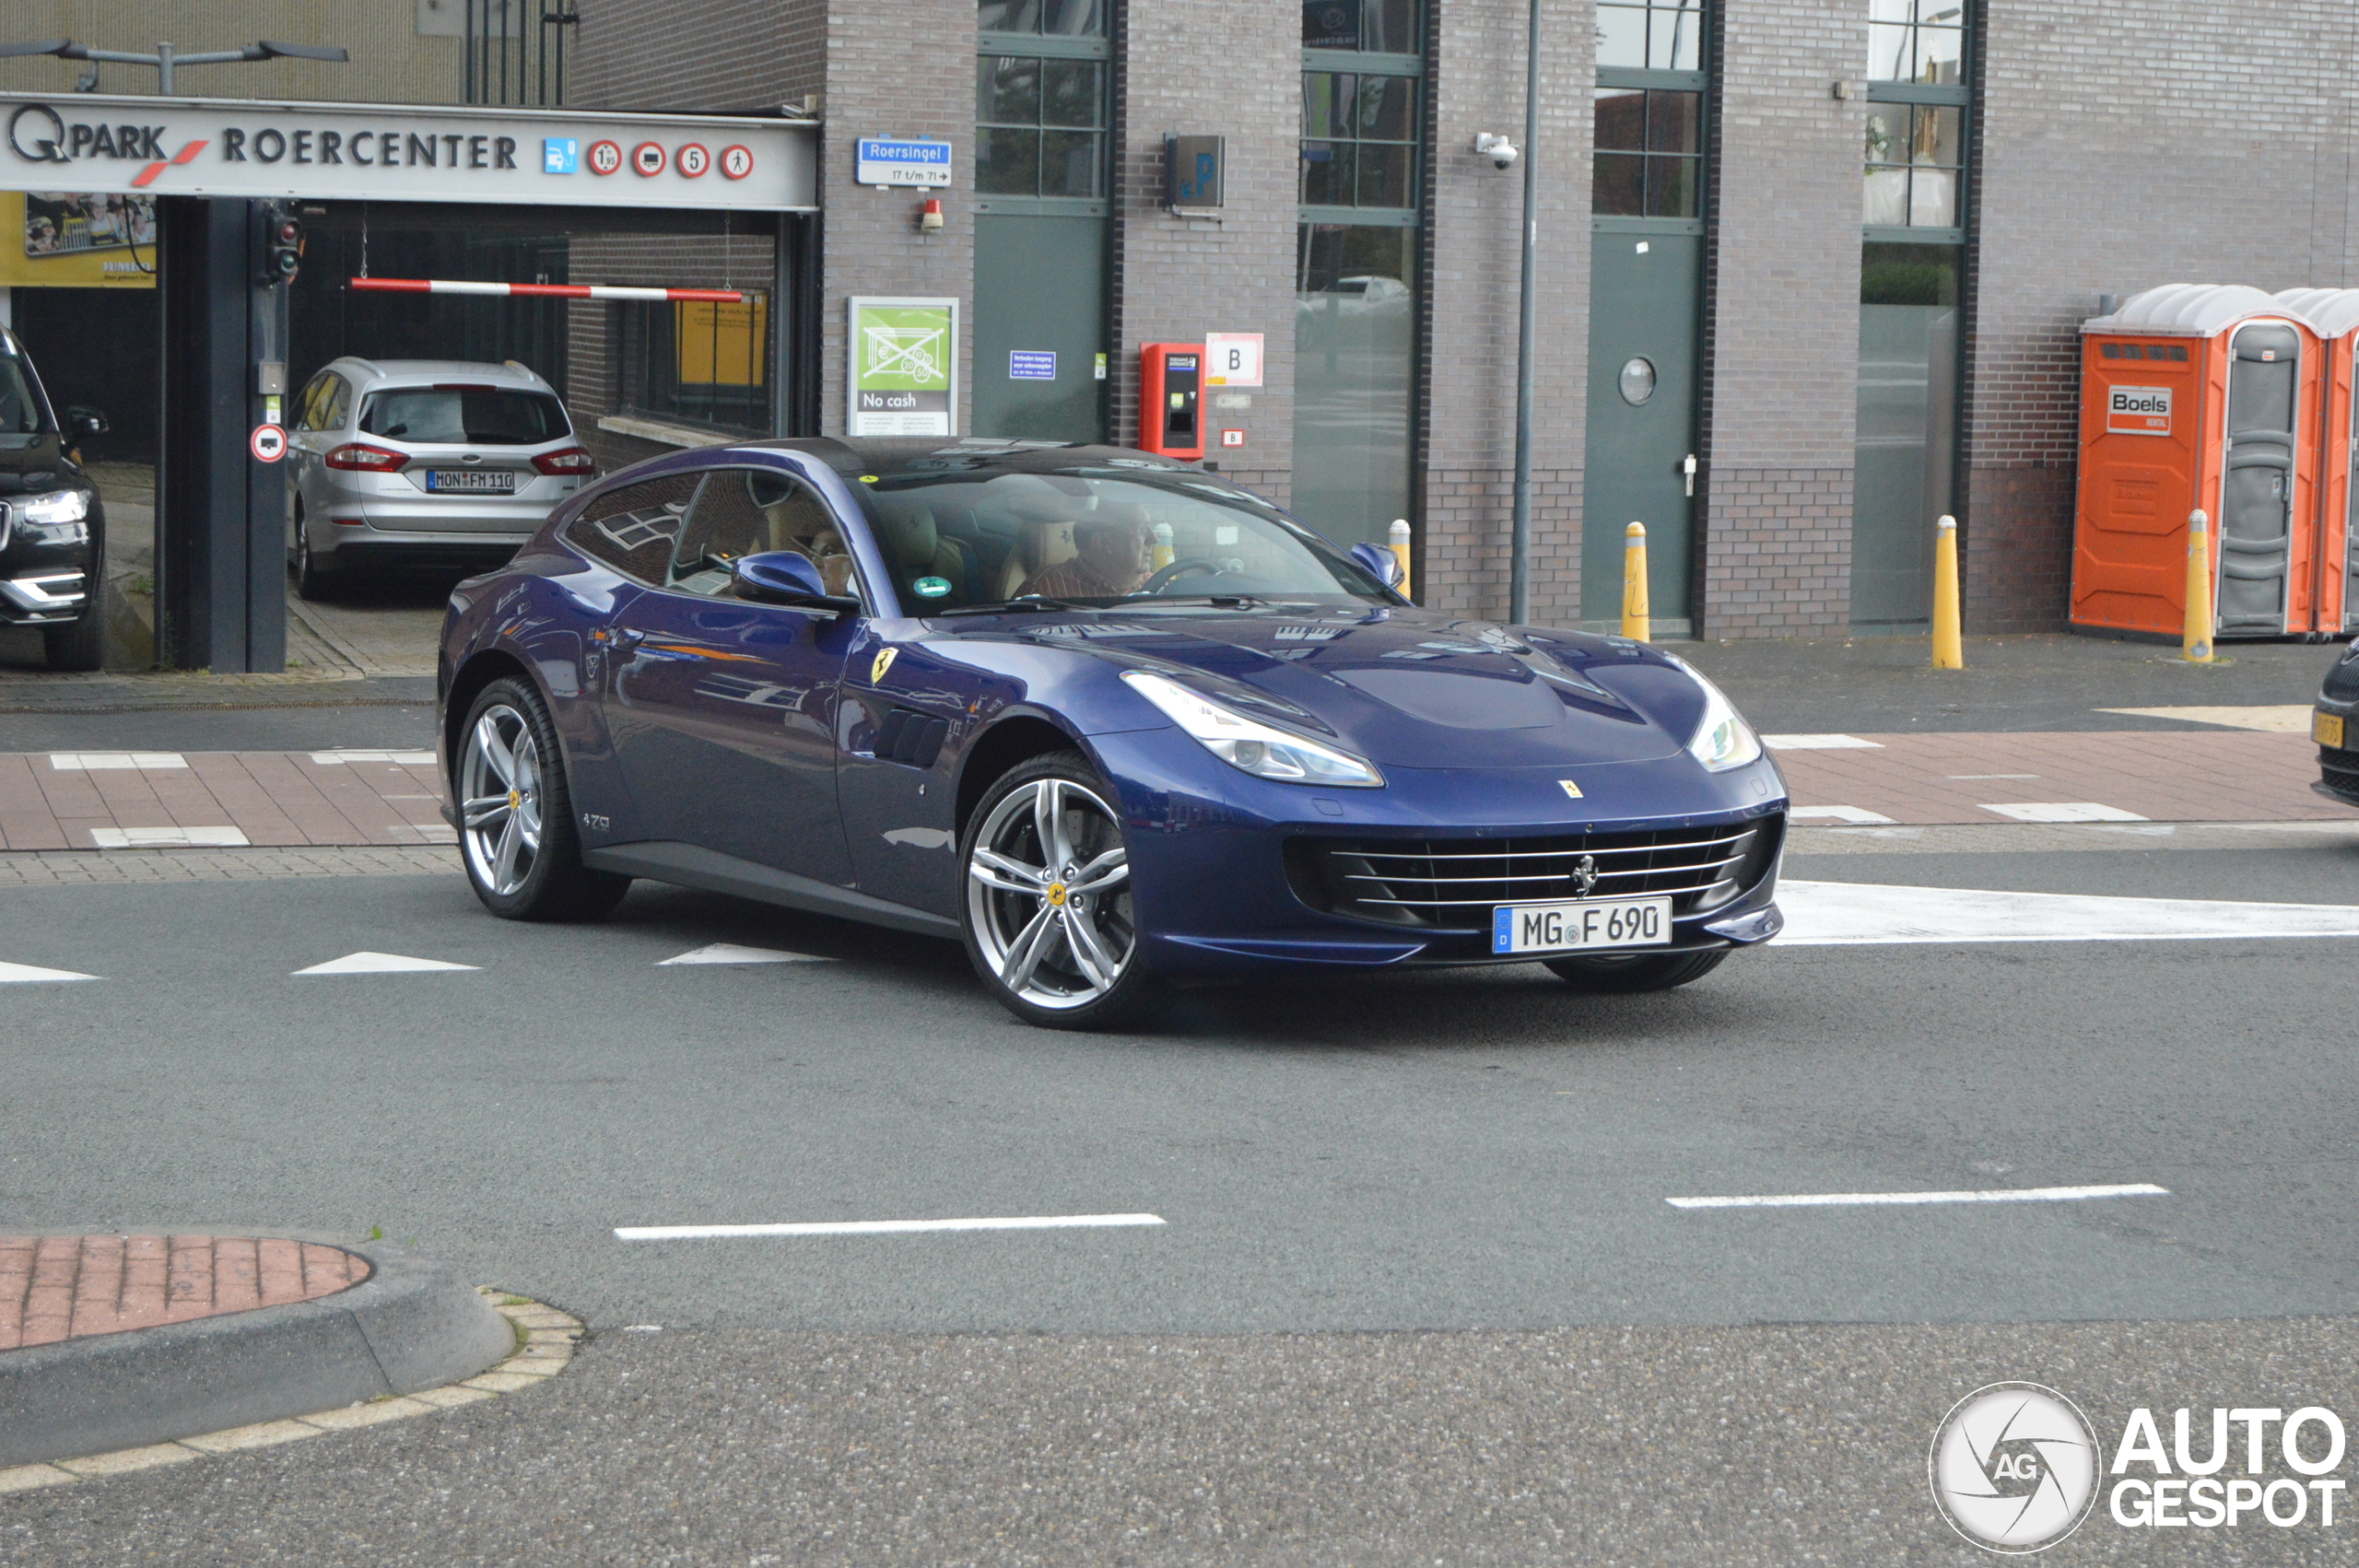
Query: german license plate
point(2325, 728)
point(471, 481)
point(1581, 926)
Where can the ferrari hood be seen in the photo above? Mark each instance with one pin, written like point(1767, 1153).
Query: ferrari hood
point(1411, 688)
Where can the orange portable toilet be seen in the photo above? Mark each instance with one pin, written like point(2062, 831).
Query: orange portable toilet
point(2334, 314)
point(2197, 395)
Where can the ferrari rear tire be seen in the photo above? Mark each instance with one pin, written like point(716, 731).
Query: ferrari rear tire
point(1046, 906)
point(516, 830)
point(1637, 972)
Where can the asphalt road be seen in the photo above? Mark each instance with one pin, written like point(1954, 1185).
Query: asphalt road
point(1418, 1297)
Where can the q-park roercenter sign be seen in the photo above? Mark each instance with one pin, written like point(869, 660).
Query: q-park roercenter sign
point(171, 147)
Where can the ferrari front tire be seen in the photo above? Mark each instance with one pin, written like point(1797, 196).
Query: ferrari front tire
point(1046, 908)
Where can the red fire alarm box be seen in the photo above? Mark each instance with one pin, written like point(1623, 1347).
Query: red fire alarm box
point(1171, 376)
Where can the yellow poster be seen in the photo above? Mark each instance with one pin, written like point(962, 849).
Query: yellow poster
point(721, 344)
point(56, 240)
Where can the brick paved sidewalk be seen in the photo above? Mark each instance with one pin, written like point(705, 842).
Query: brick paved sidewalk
point(2150, 775)
point(84, 800)
point(157, 799)
point(56, 1288)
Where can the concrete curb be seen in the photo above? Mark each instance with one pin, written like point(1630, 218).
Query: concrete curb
point(412, 1324)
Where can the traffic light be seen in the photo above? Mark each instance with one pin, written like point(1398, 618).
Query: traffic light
point(282, 248)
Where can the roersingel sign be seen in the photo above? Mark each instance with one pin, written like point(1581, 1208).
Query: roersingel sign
point(228, 148)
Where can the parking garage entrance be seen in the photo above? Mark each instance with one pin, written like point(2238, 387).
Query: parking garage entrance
point(253, 221)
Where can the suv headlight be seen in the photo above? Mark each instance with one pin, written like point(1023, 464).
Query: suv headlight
point(56, 508)
point(1251, 746)
point(1722, 739)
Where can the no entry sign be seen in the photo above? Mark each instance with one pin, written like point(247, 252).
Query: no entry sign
point(268, 443)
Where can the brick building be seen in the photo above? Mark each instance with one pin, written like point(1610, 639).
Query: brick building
point(1836, 251)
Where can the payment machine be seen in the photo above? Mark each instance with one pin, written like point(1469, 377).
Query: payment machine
point(1172, 378)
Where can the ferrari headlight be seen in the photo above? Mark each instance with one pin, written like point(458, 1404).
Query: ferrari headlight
point(57, 507)
point(1249, 745)
point(1722, 739)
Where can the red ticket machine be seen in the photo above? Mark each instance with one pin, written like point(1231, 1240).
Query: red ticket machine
point(1171, 379)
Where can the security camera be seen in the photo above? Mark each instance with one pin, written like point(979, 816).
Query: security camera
point(1498, 149)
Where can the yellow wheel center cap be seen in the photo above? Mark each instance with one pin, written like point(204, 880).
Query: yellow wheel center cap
point(515, 799)
point(1056, 895)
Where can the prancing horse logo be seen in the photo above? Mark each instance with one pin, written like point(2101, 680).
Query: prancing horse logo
point(1569, 788)
point(1584, 875)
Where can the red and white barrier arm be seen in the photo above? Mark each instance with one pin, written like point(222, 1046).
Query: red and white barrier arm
point(541, 290)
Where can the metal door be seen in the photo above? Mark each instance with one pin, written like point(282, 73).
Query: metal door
point(2256, 491)
point(1643, 293)
point(1039, 326)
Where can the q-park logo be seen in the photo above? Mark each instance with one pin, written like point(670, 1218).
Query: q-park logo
point(2014, 1468)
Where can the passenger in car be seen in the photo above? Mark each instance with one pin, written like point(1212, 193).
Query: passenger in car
point(1114, 555)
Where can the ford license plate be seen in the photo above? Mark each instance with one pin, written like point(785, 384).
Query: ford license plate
point(1581, 926)
point(471, 481)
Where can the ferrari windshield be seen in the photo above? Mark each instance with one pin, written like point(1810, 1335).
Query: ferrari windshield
point(975, 537)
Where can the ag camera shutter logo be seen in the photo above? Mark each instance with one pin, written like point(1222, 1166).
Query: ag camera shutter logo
point(2013, 1467)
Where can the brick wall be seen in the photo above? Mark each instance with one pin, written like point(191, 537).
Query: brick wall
point(1473, 213)
point(747, 56)
point(1782, 320)
point(1231, 68)
point(2128, 143)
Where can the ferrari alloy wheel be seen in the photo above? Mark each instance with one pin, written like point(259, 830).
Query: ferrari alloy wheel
point(1048, 909)
point(515, 815)
point(1636, 972)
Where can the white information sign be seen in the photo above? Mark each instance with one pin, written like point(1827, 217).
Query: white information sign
point(174, 147)
point(1232, 360)
point(901, 160)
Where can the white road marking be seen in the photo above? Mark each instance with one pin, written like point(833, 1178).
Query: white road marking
point(1819, 744)
point(1866, 1199)
point(2062, 811)
point(1994, 775)
point(2282, 720)
point(168, 837)
point(95, 762)
point(28, 973)
point(1839, 814)
point(331, 759)
point(880, 1227)
point(1821, 914)
point(380, 964)
point(730, 953)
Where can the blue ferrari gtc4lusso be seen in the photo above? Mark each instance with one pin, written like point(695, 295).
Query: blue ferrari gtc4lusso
point(1114, 723)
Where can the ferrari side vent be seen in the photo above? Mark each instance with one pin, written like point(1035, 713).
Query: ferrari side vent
point(911, 737)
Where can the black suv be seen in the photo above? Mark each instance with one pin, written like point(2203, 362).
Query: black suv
point(52, 532)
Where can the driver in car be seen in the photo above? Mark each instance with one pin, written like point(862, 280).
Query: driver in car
point(1113, 556)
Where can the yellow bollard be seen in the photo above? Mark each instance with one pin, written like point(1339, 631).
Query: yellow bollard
point(2195, 639)
point(1634, 582)
point(1949, 639)
point(1400, 542)
point(1163, 553)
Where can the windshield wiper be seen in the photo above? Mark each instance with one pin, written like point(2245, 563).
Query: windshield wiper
point(1005, 606)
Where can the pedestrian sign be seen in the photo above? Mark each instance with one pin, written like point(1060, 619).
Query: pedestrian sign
point(904, 368)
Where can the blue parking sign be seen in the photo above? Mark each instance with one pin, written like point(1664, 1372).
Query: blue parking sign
point(560, 155)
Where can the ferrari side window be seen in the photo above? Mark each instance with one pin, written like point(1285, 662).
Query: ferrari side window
point(743, 511)
point(633, 529)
